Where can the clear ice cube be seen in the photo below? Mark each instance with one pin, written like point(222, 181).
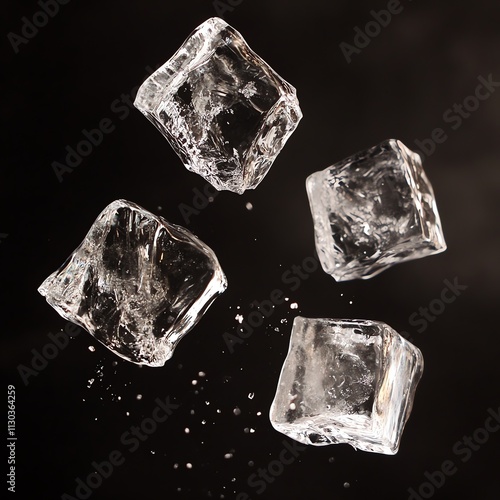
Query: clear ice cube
point(224, 110)
point(346, 381)
point(137, 283)
point(373, 210)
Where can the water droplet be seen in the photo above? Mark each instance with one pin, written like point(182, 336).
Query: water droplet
point(237, 411)
point(91, 348)
point(138, 397)
point(251, 395)
point(249, 206)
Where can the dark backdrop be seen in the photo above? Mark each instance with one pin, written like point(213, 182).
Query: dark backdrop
point(69, 76)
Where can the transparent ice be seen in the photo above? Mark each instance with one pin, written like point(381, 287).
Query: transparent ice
point(373, 210)
point(225, 112)
point(137, 283)
point(346, 381)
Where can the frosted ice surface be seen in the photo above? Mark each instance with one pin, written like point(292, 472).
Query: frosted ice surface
point(346, 381)
point(224, 110)
point(373, 210)
point(137, 283)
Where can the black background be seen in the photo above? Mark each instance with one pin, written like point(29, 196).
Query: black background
point(66, 79)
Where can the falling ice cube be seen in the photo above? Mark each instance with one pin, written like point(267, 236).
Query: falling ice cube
point(137, 283)
point(373, 210)
point(346, 381)
point(225, 112)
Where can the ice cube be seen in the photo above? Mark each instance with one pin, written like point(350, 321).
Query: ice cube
point(225, 112)
point(346, 381)
point(137, 283)
point(373, 210)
